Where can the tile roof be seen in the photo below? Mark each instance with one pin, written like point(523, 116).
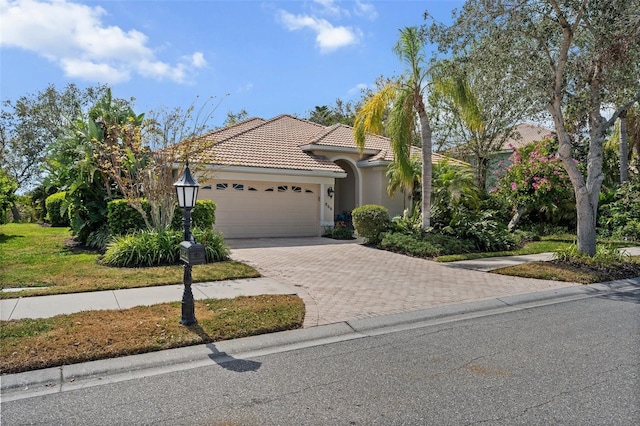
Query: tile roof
point(286, 142)
point(524, 134)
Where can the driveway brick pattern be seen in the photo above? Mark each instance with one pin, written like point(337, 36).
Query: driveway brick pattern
point(341, 281)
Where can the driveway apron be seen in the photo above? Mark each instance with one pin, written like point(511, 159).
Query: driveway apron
point(345, 280)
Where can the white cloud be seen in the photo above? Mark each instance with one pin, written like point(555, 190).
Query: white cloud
point(92, 71)
point(365, 9)
point(328, 37)
point(74, 36)
point(329, 7)
point(357, 89)
point(198, 61)
point(246, 88)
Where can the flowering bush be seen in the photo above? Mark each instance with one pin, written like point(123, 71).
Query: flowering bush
point(535, 180)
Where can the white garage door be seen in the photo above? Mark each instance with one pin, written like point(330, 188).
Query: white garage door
point(264, 209)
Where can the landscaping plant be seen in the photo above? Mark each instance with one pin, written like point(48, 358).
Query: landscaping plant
point(152, 248)
point(370, 221)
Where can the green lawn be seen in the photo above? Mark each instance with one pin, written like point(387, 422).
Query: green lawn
point(547, 244)
point(35, 256)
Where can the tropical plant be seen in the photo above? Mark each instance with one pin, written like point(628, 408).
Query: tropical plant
point(535, 180)
point(8, 187)
point(618, 215)
point(474, 116)
point(454, 189)
point(573, 56)
point(481, 229)
point(151, 248)
point(403, 100)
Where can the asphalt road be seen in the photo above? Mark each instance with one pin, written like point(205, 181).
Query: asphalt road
point(572, 363)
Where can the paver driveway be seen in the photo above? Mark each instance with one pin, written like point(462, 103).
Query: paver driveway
point(343, 280)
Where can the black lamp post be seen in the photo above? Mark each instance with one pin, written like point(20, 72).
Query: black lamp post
point(187, 191)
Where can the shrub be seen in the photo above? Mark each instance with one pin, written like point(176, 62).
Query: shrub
point(409, 244)
point(215, 248)
point(630, 231)
point(144, 248)
point(617, 216)
point(425, 244)
point(338, 233)
point(409, 222)
point(605, 256)
point(99, 238)
point(370, 221)
point(480, 228)
point(203, 215)
point(151, 248)
point(124, 219)
point(56, 215)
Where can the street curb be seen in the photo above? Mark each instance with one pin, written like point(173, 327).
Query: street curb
point(75, 376)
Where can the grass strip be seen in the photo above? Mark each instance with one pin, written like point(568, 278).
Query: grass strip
point(546, 245)
point(31, 344)
point(33, 256)
point(574, 272)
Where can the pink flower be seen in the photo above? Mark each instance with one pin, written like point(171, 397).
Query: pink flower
point(513, 186)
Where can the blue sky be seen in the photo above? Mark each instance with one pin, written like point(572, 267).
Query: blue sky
point(270, 57)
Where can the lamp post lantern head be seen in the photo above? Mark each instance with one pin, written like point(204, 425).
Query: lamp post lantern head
point(186, 189)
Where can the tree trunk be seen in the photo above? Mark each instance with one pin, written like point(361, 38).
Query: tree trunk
point(516, 218)
point(624, 148)
point(427, 167)
point(15, 212)
point(586, 192)
point(586, 231)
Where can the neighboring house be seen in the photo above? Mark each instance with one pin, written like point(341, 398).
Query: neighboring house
point(522, 135)
point(288, 177)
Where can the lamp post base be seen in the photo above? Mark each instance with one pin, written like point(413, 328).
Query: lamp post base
point(188, 304)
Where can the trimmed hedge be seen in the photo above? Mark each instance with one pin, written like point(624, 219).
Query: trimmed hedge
point(53, 204)
point(370, 221)
point(124, 219)
point(203, 215)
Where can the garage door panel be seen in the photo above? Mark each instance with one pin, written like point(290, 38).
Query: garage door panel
point(262, 213)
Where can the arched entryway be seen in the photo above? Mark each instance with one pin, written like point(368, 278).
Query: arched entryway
point(346, 192)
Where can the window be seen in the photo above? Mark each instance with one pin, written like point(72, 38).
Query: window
point(206, 187)
point(283, 188)
point(269, 189)
point(308, 191)
point(296, 189)
point(238, 187)
point(221, 186)
point(251, 188)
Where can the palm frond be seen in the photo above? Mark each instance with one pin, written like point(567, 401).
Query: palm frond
point(369, 119)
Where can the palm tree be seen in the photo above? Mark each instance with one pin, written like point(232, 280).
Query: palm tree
point(397, 181)
point(403, 99)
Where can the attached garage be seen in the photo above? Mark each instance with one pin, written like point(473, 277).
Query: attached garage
point(252, 209)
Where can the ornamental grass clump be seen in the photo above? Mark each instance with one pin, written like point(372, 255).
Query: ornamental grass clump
point(151, 248)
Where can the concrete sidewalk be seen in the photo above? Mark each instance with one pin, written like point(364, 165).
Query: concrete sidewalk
point(48, 306)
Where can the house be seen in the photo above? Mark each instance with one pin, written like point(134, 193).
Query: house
point(288, 177)
point(522, 135)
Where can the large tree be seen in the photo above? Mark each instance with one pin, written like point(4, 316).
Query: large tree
point(30, 124)
point(342, 112)
point(576, 56)
point(473, 114)
point(403, 99)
